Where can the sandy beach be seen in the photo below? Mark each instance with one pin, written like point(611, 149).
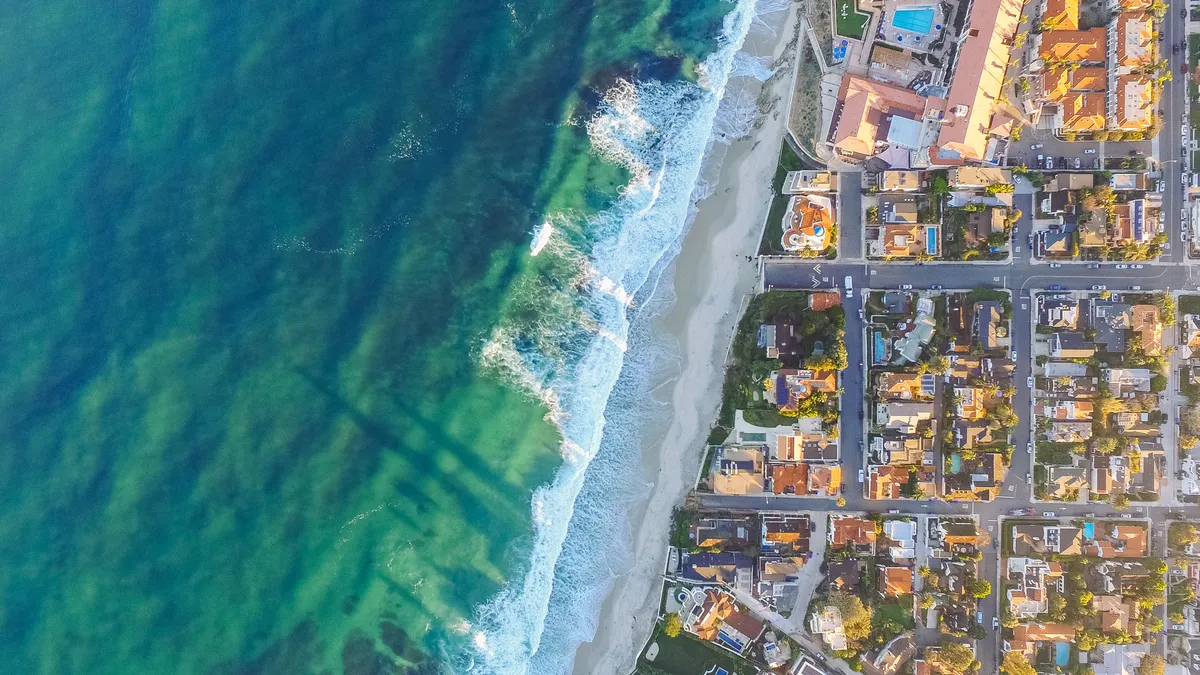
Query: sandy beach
point(712, 277)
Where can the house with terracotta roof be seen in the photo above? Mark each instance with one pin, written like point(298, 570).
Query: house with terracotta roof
point(904, 387)
point(819, 301)
point(894, 581)
point(1117, 541)
point(885, 482)
point(970, 403)
point(1065, 410)
point(971, 117)
point(864, 113)
point(720, 618)
point(1060, 47)
point(805, 446)
point(904, 240)
point(901, 450)
point(1060, 14)
point(979, 479)
point(788, 386)
point(806, 479)
point(1133, 104)
point(1114, 612)
point(723, 533)
point(808, 223)
point(851, 532)
point(1132, 41)
point(729, 568)
point(1081, 112)
point(1027, 636)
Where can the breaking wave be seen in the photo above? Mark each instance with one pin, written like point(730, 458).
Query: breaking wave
point(567, 340)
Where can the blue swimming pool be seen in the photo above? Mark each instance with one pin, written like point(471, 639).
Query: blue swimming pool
point(931, 236)
point(1062, 654)
point(915, 19)
point(955, 463)
point(879, 353)
point(1089, 530)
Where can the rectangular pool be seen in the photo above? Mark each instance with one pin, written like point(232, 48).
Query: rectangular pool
point(915, 19)
point(1062, 654)
point(931, 235)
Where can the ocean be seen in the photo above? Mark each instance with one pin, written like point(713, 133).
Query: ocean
point(282, 388)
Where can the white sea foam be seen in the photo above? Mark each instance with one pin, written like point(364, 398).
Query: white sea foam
point(661, 132)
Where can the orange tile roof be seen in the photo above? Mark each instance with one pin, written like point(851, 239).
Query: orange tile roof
point(1145, 321)
point(824, 480)
point(864, 104)
point(1134, 102)
point(978, 81)
point(1061, 14)
point(1135, 39)
point(1083, 111)
point(819, 301)
point(1075, 45)
point(809, 224)
point(794, 476)
point(895, 581)
point(852, 530)
point(885, 481)
point(1056, 82)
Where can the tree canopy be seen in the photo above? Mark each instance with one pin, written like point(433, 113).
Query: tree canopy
point(1014, 663)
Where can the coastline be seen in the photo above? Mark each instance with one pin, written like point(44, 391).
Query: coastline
point(711, 277)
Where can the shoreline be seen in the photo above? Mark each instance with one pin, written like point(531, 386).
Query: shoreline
point(711, 277)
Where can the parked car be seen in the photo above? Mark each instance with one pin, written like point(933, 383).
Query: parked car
point(1093, 266)
point(935, 287)
point(1013, 355)
point(860, 315)
point(1099, 287)
point(1049, 162)
point(860, 475)
point(1036, 146)
point(1078, 163)
point(1041, 158)
point(1055, 287)
point(1174, 49)
point(995, 623)
point(1138, 267)
point(1089, 151)
point(1030, 382)
point(1049, 514)
point(906, 287)
point(1053, 265)
point(1162, 186)
point(1029, 479)
point(1122, 267)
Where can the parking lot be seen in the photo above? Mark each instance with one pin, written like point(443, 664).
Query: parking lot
point(1070, 155)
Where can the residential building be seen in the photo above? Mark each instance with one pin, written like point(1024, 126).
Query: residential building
point(786, 534)
point(788, 387)
point(808, 223)
point(904, 386)
point(903, 416)
point(864, 115)
point(1117, 541)
point(904, 240)
point(977, 178)
point(796, 182)
point(1065, 410)
point(1060, 14)
point(900, 181)
point(979, 480)
point(1070, 346)
point(894, 581)
point(885, 482)
point(1110, 320)
point(1060, 47)
point(909, 347)
point(730, 568)
point(1127, 382)
point(1114, 612)
point(806, 479)
point(990, 328)
point(1136, 424)
point(970, 403)
point(851, 532)
point(1030, 576)
point(1055, 369)
point(1028, 636)
point(738, 470)
point(900, 537)
point(1067, 482)
point(1088, 79)
point(723, 533)
point(1146, 322)
point(719, 618)
point(901, 451)
point(808, 447)
point(1069, 432)
point(971, 435)
point(1132, 36)
point(1060, 313)
point(1133, 103)
point(828, 624)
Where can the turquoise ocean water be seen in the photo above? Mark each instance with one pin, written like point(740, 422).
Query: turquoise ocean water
point(281, 388)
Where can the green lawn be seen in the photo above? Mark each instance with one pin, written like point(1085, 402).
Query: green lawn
point(685, 655)
point(850, 22)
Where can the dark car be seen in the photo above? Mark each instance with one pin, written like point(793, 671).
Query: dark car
point(1175, 49)
point(1183, 68)
point(1183, 13)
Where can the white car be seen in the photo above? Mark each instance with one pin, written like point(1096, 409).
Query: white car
point(1099, 287)
point(1030, 382)
point(860, 475)
point(1041, 158)
point(1078, 163)
point(1036, 146)
point(1049, 514)
point(995, 622)
point(1122, 267)
point(1053, 265)
point(906, 287)
point(1089, 151)
point(860, 314)
point(1138, 267)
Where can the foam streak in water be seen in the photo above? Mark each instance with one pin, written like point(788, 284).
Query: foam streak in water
point(661, 133)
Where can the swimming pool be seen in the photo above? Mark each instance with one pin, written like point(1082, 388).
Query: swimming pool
point(1089, 530)
point(931, 236)
point(1062, 654)
point(915, 19)
point(880, 350)
point(955, 463)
